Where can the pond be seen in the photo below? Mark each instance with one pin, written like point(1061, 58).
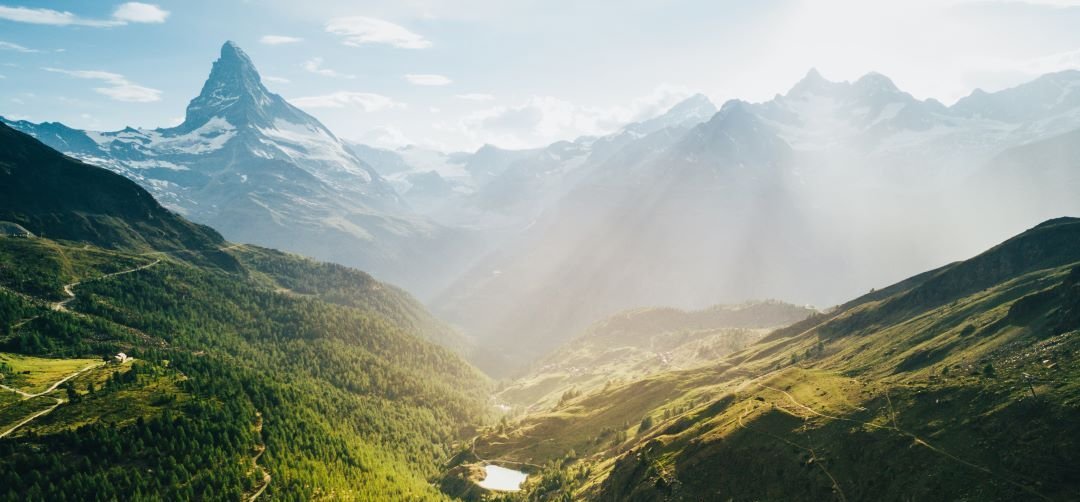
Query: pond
point(502, 479)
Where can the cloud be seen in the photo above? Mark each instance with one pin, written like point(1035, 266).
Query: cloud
point(1052, 63)
point(8, 46)
point(662, 98)
point(279, 39)
point(276, 80)
point(138, 12)
point(359, 30)
point(428, 79)
point(384, 137)
point(117, 86)
point(131, 12)
point(537, 121)
point(475, 96)
point(541, 120)
point(366, 101)
point(38, 16)
point(315, 65)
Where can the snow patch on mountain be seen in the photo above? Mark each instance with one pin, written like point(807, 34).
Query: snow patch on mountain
point(305, 143)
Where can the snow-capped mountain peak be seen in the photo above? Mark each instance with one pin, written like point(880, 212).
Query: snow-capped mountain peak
point(874, 83)
point(814, 84)
point(234, 91)
point(1046, 96)
point(697, 108)
point(686, 113)
point(259, 170)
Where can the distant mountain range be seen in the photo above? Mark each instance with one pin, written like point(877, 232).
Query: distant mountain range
point(832, 188)
point(812, 196)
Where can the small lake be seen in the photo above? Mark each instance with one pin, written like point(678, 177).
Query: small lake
point(502, 479)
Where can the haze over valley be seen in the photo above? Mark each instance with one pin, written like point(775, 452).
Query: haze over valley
point(846, 290)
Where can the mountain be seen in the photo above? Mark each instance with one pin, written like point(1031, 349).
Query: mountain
point(277, 376)
point(500, 189)
point(785, 198)
point(260, 170)
point(955, 384)
point(639, 342)
point(85, 203)
point(1047, 97)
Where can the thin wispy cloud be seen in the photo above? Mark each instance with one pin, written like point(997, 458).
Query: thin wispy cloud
point(276, 80)
point(428, 79)
point(359, 30)
point(315, 65)
point(366, 101)
point(9, 46)
point(475, 96)
point(279, 40)
point(130, 12)
point(117, 86)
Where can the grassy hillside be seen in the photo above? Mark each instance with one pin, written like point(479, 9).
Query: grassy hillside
point(254, 371)
point(350, 398)
point(640, 342)
point(959, 384)
point(341, 285)
point(61, 198)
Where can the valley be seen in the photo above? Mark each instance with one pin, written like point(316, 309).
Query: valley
point(539, 252)
point(216, 348)
point(953, 384)
point(958, 381)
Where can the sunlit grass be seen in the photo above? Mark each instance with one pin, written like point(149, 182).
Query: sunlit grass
point(36, 374)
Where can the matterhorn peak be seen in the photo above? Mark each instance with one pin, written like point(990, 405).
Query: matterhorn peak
point(234, 92)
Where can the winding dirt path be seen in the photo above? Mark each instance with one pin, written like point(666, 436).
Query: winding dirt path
point(31, 418)
point(53, 387)
point(813, 455)
point(61, 306)
point(255, 460)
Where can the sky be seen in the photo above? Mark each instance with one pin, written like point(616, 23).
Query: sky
point(454, 75)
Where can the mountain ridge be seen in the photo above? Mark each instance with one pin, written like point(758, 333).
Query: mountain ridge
point(273, 375)
point(87, 204)
point(782, 198)
point(956, 395)
point(260, 170)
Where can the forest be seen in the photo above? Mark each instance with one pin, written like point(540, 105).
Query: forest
point(346, 398)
